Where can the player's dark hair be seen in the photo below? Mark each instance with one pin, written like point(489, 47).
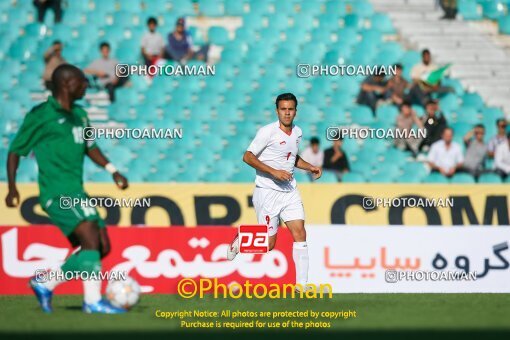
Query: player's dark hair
point(62, 73)
point(500, 120)
point(430, 102)
point(425, 51)
point(447, 128)
point(480, 126)
point(405, 103)
point(57, 42)
point(152, 20)
point(104, 44)
point(399, 66)
point(314, 140)
point(286, 96)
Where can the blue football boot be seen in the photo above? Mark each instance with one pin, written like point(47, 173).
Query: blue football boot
point(102, 307)
point(42, 294)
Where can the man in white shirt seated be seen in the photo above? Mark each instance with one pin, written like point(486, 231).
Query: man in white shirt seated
point(502, 158)
point(313, 154)
point(153, 43)
point(445, 156)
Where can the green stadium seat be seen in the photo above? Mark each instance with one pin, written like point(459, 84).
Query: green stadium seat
point(467, 115)
point(453, 83)
point(415, 168)
point(461, 128)
point(100, 177)
point(387, 113)
point(278, 21)
point(217, 177)
point(353, 20)
point(252, 21)
point(308, 113)
point(234, 7)
point(504, 24)
point(462, 178)
point(363, 8)
point(408, 178)
point(217, 35)
point(160, 177)
point(469, 10)
point(309, 8)
point(210, 8)
point(473, 100)
point(382, 177)
point(243, 177)
point(284, 6)
point(450, 102)
point(382, 23)
point(103, 7)
point(361, 115)
point(168, 165)
point(493, 9)
point(489, 178)
point(435, 177)
point(336, 8)
point(260, 7)
point(327, 177)
point(352, 177)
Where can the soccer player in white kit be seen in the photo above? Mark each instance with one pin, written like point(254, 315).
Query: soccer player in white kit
point(274, 154)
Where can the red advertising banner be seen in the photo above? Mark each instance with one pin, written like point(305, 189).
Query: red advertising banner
point(156, 257)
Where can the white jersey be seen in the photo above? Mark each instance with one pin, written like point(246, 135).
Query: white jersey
point(275, 148)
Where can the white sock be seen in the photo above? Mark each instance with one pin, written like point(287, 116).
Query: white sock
point(55, 280)
point(300, 256)
point(91, 291)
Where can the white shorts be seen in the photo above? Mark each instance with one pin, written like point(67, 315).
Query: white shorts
point(271, 205)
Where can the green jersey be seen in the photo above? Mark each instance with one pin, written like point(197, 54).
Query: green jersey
point(56, 137)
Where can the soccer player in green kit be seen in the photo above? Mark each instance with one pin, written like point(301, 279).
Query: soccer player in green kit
point(54, 131)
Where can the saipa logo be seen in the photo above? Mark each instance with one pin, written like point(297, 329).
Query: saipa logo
point(253, 239)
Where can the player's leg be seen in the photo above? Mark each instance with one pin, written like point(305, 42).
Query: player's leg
point(299, 250)
point(263, 200)
point(294, 217)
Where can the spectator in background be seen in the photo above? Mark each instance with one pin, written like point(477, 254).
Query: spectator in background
point(445, 156)
point(405, 122)
point(397, 86)
point(373, 89)
point(103, 70)
point(153, 44)
point(336, 160)
point(421, 91)
point(180, 45)
point(434, 123)
point(502, 158)
point(476, 151)
point(449, 8)
point(313, 154)
point(424, 67)
point(499, 138)
point(52, 58)
point(43, 5)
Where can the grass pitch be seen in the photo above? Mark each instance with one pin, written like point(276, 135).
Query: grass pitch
point(379, 315)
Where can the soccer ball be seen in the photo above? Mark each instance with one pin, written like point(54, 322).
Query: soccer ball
point(123, 293)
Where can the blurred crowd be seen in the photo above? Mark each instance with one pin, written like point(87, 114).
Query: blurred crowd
point(438, 149)
point(154, 50)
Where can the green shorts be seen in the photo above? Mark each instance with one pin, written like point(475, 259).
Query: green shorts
point(67, 214)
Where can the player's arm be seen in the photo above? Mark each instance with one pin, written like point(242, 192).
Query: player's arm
point(252, 160)
point(29, 134)
point(97, 157)
point(304, 165)
point(12, 199)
